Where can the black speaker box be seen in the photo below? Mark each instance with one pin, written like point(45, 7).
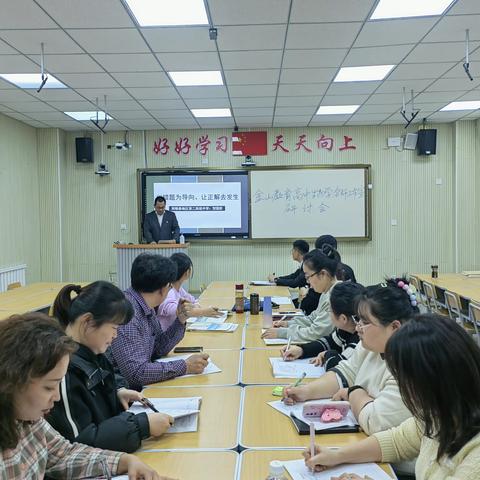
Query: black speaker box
point(84, 148)
point(427, 142)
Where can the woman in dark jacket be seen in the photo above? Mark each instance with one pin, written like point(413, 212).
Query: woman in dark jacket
point(93, 397)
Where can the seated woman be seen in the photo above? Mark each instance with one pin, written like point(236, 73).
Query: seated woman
point(34, 355)
point(341, 343)
point(364, 379)
point(319, 271)
point(167, 311)
point(437, 367)
point(93, 399)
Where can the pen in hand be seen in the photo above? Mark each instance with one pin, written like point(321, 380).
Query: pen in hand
point(147, 403)
point(312, 440)
point(299, 379)
point(288, 347)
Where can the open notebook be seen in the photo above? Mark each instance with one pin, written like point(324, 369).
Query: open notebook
point(295, 368)
point(210, 368)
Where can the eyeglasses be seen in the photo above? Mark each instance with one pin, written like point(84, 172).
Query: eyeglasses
point(308, 277)
point(360, 322)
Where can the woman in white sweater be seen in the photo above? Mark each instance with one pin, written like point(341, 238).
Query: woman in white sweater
point(437, 367)
point(364, 379)
point(319, 268)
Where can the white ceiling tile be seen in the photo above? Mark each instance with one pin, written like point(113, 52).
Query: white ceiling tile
point(123, 105)
point(71, 125)
point(299, 90)
point(143, 79)
point(111, 93)
point(24, 14)
point(465, 7)
point(295, 111)
point(307, 75)
point(73, 63)
point(6, 50)
point(18, 116)
point(115, 40)
point(291, 121)
point(329, 118)
point(123, 115)
point(413, 71)
point(446, 116)
point(363, 122)
point(128, 62)
point(58, 94)
point(87, 80)
point(15, 95)
point(252, 91)
point(473, 95)
point(456, 84)
point(36, 124)
point(71, 106)
point(142, 124)
point(160, 104)
point(48, 116)
point(439, 52)
point(17, 64)
point(214, 91)
point(394, 32)
point(207, 103)
point(344, 99)
point(326, 57)
point(7, 85)
point(179, 39)
point(181, 61)
point(393, 86)
point(72, 14)
point(4, 108)
point(27, 107)
point(158, 93)
point(388, 55)
point(253, 112)
point(251, 37)
point(231, 12)
point(244, 102)
point(28, 41)
point(385, 99)
point(452, 29)
point(375, 117)
point(430, 97)
point(319, 35)
point(175, 123)
point(298, 101)
point(216, 122)
point(114, 125)
point(251, 77)
point(170, 114)
point(387, 109)
point(327, 122)
point(330, 10)
point(246, 122)
point(244, 60)
point(459, 72)
point(348, 88)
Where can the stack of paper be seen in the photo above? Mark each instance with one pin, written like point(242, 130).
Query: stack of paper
point(299, 471)
point(184, 410)
point(295, 368)
point(210, 368)
point(220, 319)
point(212, 327)
point(297, 411)
point(262, 283)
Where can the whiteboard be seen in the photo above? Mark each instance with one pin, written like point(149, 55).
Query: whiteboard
point(308, 202)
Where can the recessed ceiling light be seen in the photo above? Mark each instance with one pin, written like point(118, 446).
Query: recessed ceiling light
point(86, 116)
point(409, 8)
point(471, 105)
point(188, 79)
point(168, 12)
point(363, 74)
point(211, 112)
point(31, 80)
point(337, 109)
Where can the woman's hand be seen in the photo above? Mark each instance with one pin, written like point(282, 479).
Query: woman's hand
point(292, 395)
point(270, 333)
point(323, 458)
point(351, 476)
point(159, 423)
point(127, 396)
point(318, 360)
point(280, 323)
point(137, 470)
point(342, 394)
point(271, 278)
point(292, 353)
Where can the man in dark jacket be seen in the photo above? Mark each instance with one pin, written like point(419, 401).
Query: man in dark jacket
point(297, 278)
point(161, 224)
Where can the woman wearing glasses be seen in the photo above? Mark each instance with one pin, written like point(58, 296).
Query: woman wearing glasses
point(319, 271)
point(364, 379)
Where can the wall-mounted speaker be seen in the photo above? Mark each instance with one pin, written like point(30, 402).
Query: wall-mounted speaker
point(410, 141)
point(427, 142)
point(84, 149)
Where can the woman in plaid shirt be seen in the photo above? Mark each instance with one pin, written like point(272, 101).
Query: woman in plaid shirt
point(34, 355)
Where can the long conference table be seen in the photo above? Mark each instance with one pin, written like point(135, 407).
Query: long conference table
point(238, 432)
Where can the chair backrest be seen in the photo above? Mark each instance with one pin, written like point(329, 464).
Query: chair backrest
point(453, 305)
point(13, 285)
point(431, 296)
point(474, 313)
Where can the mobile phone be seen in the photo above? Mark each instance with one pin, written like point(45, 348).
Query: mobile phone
point(187, 349)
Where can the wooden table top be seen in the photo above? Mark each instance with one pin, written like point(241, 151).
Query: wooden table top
point(267, 428)
point(227, 360)
point(214, 340)
point(197, 465)
point(217, 422)
point(254, 463)
point(466, 287)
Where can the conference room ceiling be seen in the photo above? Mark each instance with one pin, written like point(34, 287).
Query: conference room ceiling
point(278, 59)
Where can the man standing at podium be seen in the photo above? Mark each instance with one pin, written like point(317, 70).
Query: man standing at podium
point(161, 224)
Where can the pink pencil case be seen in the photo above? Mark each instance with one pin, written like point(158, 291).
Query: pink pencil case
point(326, 411)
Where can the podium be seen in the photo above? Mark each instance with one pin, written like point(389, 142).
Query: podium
point(126, 254)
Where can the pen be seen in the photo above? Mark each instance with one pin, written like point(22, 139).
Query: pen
point(288, 346)
point(149, 404)
point(312, 440)
point(299, 380)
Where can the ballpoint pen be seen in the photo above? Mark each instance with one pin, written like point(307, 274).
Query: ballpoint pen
point(149, 404)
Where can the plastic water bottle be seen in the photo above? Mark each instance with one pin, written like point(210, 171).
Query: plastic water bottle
point(276, 471)
point(182, 238)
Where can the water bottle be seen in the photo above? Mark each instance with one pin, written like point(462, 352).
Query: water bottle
point(276, 471)
point(182, 238)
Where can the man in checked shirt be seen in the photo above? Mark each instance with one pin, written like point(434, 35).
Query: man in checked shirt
point(141, 341)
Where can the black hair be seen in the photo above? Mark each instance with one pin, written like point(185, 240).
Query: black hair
point(183, 263)
point(326, 239)
point(437, 367)
point(387, 302)
point(302, 246)
point(150, 272)
point(159, 199)
point(343, 297)
point(318, 260)
point(103, 300)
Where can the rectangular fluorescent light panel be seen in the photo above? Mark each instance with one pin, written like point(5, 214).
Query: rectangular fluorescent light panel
point(363, 74)
point(31, 80)
point(337, 109)
point(471, 105)
point(156, 13)
point(409, 8)
point(87, 116)
point(188, 79)
point(211, 112)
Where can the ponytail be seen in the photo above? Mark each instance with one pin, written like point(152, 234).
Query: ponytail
point(326, 258)
point(63, 303)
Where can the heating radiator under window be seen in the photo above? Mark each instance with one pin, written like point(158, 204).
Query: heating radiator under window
point(10, 275)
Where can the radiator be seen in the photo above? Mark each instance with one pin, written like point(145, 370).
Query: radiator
point(10, 275)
